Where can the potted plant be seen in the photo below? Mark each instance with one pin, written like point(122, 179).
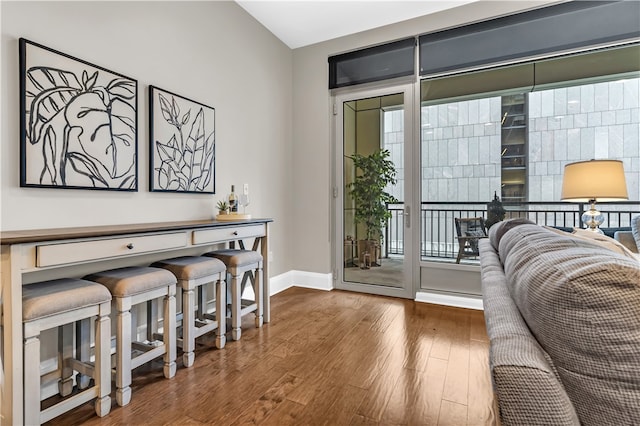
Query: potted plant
point(222, 207)
point(495, 211)
point(373, 173)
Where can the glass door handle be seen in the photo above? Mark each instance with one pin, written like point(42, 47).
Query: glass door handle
point(407, 217)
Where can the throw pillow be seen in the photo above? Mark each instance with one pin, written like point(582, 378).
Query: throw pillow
point(635, 230)
point(602, 240)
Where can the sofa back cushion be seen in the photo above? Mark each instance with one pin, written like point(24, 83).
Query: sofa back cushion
point(582, 303)
point(499, 229)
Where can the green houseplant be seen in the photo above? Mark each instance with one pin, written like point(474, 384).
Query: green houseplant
point(222, 207)
point(373, 173)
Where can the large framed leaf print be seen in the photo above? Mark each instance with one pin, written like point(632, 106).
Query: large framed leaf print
point(78, 123)
point(182, 143)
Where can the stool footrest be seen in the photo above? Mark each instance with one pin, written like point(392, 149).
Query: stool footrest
point(248, 308)
point(199, 331)
point(247, 302)
point(201, 323)
point(210, 317)
point(86, 368)
point(151, 354)
point(68, 404)
point(146, 347)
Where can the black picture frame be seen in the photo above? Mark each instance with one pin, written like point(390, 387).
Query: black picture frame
point(182, 149)
point(78, 123)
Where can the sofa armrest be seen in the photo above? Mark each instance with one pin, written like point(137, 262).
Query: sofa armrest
point(526, 396)
point(626, 239)
point(525, 381)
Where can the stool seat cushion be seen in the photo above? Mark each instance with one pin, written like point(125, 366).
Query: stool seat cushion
point(53, 297)
point(236, 258)
point(192, 267)
point(132, 280)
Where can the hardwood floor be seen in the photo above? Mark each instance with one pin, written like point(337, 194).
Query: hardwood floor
point(327, 358)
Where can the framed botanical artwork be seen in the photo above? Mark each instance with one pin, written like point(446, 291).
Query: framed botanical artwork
point(182, 144)
point(78, 123)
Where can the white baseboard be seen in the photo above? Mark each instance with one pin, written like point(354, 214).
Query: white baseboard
point(457, 301)
point(280, 282)
point(304, 279)
point(324, 282)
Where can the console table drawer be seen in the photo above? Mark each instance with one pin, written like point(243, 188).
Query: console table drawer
point(63, 253)
point(205, 236)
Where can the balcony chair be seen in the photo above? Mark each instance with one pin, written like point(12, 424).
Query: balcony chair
point(468, 232)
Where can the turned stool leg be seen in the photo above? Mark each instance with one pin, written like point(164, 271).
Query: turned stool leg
point(169, 332)
point(83, 349)
point(202, 302)
point(103, 361)
point(188, 324)
point(236, 320)
point(65, 353)
point(123, 352)
point(32, 380)
point(221, 313)
point(257, 291)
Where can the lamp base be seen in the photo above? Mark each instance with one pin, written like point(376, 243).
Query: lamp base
point(592, 219)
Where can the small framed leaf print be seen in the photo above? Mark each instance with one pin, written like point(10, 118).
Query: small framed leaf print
point(182, 143)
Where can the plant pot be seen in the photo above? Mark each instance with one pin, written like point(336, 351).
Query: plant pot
point(372, 249)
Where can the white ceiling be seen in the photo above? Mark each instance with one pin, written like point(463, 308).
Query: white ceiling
point(299, 23)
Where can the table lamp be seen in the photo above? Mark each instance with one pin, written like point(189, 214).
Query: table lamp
point(591, 181)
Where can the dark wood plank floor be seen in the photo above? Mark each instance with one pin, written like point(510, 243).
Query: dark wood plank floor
point(327, 358)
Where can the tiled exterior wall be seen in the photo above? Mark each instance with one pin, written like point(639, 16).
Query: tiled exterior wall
point(599, 121)
point(461, 150)
point(394, 142)
point(461, 141)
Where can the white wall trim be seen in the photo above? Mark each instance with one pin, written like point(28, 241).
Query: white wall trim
point(304, 279)
point(324, 282)
point(450, 300)
point(280, 282)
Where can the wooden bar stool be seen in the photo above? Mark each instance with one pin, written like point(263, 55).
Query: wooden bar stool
point(242, 265)
point(194, 273)
point(131, 286)
point(61, 304)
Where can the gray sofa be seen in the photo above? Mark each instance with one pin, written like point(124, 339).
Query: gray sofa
point(563, 317)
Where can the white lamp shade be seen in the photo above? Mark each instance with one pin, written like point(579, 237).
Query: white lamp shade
point(600, 180)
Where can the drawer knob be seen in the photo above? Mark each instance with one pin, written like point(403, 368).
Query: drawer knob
point(235, 232)
point(130, 246)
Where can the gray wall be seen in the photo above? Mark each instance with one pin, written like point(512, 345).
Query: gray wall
point(212, 52)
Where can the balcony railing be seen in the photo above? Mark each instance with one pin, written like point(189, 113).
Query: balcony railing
point(438, 234)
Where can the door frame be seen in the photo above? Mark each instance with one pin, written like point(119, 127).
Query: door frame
point(411, 191)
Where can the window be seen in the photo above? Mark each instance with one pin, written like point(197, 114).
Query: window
point(514, 143)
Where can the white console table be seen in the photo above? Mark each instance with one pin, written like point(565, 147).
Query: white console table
point(77, 251)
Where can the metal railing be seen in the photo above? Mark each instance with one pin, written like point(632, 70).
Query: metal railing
point(438, 234)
